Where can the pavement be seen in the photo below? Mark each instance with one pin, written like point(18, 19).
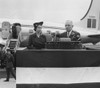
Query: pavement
point(10, 84)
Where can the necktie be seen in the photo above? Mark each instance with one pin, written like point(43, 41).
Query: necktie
point(68, 34)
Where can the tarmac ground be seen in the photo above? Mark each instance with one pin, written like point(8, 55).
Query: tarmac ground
point(10, 84)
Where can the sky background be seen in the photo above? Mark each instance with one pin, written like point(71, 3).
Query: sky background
point(57, 11)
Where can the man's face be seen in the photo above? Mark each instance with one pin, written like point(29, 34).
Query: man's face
point(8, 53)
point(38, 30)
point(68, 27)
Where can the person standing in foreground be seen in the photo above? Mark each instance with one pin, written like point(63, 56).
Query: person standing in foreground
point(37, 40)
point(9, 59)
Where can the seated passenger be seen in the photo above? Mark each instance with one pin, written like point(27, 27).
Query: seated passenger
point(73, 35)
point(37, 40)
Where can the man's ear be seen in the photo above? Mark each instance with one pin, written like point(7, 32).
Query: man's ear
point(72, 26)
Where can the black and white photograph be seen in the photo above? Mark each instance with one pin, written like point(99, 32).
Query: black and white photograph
point(49, 43)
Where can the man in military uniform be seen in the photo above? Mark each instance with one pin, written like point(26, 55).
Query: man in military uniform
point(73, 35)
point(9, 65)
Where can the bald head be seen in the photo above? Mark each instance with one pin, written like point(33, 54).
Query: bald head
point(68, 25)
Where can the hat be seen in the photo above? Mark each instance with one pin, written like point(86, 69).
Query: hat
point(37, 24)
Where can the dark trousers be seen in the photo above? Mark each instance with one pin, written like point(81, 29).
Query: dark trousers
point(10, 70)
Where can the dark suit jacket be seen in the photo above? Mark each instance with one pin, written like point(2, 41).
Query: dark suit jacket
point(75, 36)
point(35, 42)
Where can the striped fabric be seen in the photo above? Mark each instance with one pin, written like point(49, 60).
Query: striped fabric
point(57, 69)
